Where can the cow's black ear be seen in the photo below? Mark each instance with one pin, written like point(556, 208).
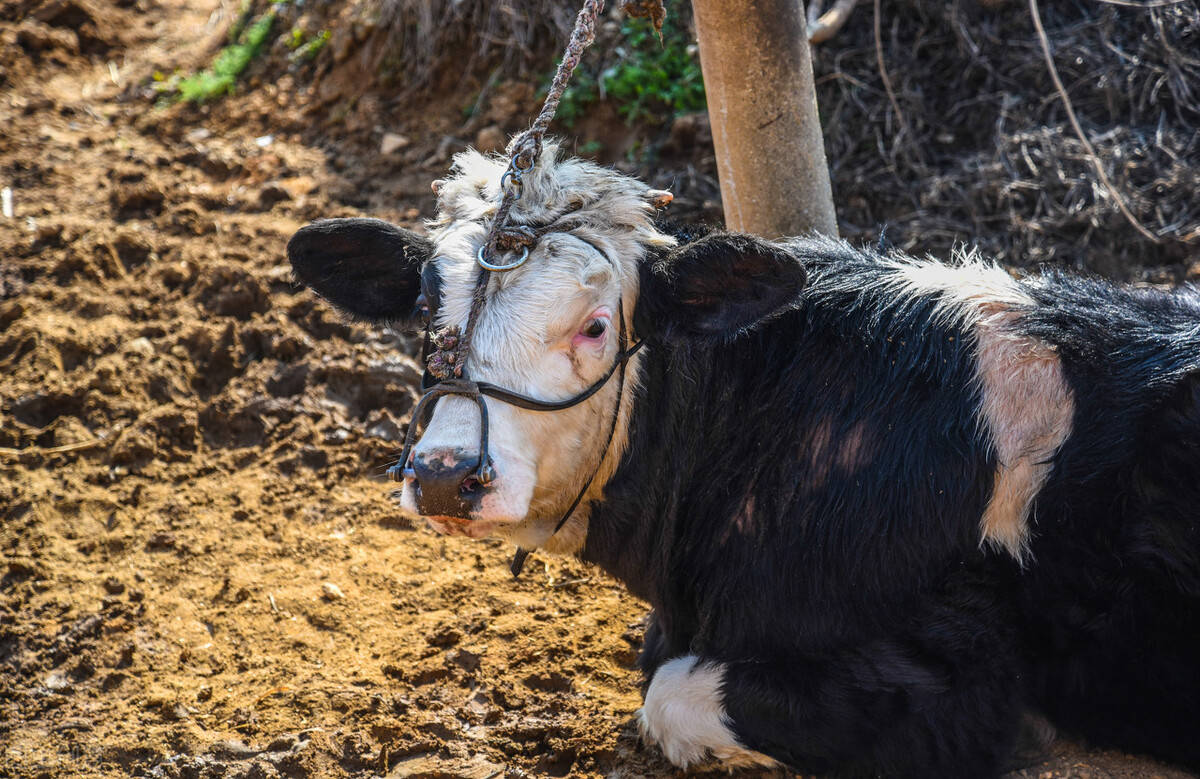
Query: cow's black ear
point(717, 287)
point(365, 267)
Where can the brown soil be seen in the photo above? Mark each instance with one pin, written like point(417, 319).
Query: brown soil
point(203, 573)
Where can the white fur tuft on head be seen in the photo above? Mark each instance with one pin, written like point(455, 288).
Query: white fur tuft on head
point(610, 205)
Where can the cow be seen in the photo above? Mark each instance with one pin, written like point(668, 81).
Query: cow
point(881, 506)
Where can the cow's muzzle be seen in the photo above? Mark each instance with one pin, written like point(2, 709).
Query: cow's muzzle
point(445, 483)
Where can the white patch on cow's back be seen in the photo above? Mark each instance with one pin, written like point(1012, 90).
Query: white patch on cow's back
point(683, 715)
point(1026, 403)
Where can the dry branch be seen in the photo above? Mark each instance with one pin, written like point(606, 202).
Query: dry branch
point(823, 26)
point(1087, 144)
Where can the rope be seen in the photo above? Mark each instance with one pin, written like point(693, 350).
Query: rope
point(446, 361)
point(452, 345)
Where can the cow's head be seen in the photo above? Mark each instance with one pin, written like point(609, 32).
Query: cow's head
point(548, 329)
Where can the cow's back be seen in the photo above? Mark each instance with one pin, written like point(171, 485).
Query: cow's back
point(828, 471)
point(1114, 576)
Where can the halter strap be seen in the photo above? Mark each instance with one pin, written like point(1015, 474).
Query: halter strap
point(476, 390)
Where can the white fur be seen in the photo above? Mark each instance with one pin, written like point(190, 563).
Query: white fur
point(1027, 404)
point(683, 715)
point(523, 338)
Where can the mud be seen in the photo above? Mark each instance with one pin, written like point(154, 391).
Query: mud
point(202, 571)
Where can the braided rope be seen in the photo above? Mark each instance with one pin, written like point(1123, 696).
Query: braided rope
point(526, 147)
point(446, 362)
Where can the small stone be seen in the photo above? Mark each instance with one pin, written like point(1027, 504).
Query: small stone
point(331, 591)
point(58, 682)
point(176, 713)
point(74, 723)
point(489, 139)
point(141, 345)
point(392, 143)
point(233, 748)
point(114, 586)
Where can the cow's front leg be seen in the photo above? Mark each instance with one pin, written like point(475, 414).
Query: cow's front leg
point(685, 717)
point(879, 710)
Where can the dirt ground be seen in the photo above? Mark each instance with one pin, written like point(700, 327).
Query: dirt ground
point(203, 573)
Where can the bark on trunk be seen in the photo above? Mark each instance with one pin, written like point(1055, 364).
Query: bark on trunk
point(759, 82)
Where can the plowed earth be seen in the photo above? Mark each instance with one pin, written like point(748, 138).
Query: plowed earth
point(203, 573)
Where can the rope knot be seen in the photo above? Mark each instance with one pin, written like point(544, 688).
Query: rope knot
point(523, 153)
point(513, 237)
point(443, 362)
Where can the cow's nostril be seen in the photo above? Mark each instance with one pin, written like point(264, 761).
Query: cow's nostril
point(470, 486)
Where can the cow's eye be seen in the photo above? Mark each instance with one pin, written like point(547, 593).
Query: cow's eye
point(422, 309)
point(595, 327)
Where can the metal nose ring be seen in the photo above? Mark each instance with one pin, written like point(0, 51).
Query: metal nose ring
point(483, 263)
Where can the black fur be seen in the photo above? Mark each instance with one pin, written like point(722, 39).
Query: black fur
point(864, 630)
point(1112, 603)
point(717, 287)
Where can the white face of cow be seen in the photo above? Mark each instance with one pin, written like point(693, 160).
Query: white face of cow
point(548, 329)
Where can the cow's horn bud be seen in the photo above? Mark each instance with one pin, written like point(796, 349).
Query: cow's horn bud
point(659, 198)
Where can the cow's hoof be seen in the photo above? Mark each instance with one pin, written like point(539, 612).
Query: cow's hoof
point(683, 716)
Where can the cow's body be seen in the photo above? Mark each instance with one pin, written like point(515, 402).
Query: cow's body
point(802, 507)
point(877, 519)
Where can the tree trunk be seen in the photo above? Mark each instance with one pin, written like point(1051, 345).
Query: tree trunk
point(759, 82)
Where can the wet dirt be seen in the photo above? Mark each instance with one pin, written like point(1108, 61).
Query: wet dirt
point(203, 573)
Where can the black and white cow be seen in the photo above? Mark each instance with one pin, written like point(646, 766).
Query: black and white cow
point(881, 506)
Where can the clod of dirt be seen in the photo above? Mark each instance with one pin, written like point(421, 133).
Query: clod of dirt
point(436, 767)
point(490, 139)
point(132, 247)
point(231, 291)
point(271, 194)
point(37, 38)
point(137, 199)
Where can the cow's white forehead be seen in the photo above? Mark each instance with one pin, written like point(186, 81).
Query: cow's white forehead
point(607, 209)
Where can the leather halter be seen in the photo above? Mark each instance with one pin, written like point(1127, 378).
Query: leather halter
point(476, 390)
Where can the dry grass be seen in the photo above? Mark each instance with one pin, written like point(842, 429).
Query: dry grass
point(942, 121)
point(988, 154)
point(429, 39)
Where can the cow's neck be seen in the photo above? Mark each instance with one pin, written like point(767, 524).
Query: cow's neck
point(686, 414)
